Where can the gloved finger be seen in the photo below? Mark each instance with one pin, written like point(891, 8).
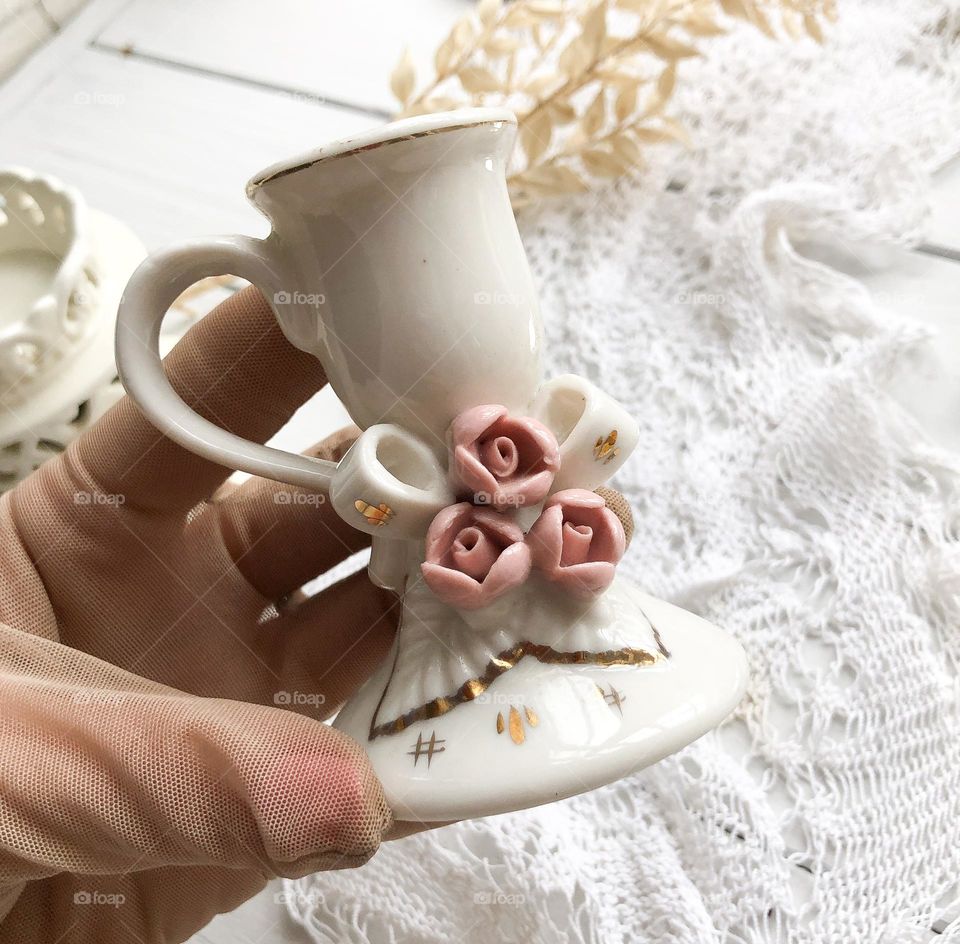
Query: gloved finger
point(102, 771)
point(160, 906)
point(281, 536)
point(236, 369)
point(324, 649)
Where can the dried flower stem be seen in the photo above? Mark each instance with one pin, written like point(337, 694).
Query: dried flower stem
point(575, 91)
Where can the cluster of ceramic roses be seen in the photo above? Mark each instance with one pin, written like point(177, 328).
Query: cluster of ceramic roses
point(476, 550)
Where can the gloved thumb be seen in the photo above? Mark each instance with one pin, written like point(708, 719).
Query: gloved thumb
point(102, 771)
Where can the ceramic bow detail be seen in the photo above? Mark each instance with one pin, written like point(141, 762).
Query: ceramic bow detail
point(505, 495)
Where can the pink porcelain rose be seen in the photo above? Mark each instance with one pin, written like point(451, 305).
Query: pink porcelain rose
point(502, 460)
point(473, 556)
point(577, 542)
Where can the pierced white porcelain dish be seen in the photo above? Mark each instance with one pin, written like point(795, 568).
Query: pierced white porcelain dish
point(62, 271)
point(525, 667)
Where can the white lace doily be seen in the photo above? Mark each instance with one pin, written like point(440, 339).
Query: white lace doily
point(778, 492)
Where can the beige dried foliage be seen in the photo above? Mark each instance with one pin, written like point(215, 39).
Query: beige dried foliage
point(403, 80)
point(590, 80)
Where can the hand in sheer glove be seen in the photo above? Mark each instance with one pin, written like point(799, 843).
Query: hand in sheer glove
point(148, 779)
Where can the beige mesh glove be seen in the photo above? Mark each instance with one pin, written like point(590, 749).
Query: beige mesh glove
point(147, 779)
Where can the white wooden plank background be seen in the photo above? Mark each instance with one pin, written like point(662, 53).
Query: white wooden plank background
point(169, 152)
point(159, 112)
point(342, 51)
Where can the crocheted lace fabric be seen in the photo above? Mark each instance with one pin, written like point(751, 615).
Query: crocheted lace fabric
point(778, 491)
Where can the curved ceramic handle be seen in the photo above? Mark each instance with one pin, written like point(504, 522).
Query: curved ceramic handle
point(152, 289)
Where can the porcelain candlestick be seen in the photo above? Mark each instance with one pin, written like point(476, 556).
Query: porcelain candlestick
point(525, 668)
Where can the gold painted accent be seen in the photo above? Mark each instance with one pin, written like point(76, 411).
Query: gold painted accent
point(517, 732)
point(656, 635)
point(262, 179)
point(516, 726)
point(503, 662)
point(613, 698)
point(428, 749)
point(377, 515)
point(605, 450)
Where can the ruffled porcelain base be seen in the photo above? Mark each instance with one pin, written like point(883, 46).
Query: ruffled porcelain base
point(465, 721)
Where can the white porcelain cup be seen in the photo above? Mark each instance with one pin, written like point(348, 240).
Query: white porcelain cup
point(394, 258)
